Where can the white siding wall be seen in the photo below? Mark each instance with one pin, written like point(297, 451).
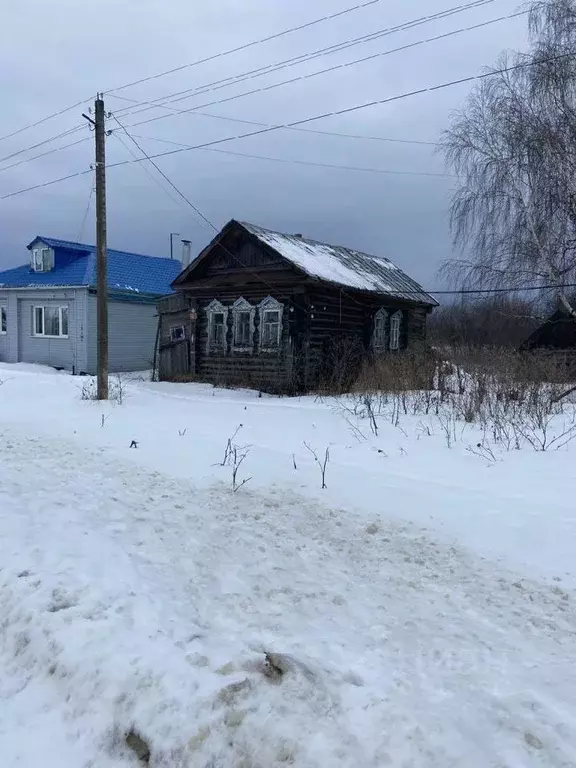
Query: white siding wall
point(3, 338)
point(20, 345)
point(131, 335)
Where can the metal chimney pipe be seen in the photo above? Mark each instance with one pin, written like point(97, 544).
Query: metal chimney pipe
point(186, 252)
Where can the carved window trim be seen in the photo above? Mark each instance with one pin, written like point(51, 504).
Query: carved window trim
point(213, 346)
point(243, 307)
point(379, 332)
point(270, 304)
point(395, 330)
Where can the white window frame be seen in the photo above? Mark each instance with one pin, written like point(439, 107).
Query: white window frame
point(395, 330)
point(241, 306)
point(379, 341)
point(61, 309)
point(40, 259)
point(180, 329)
point(3, 318)
point(269, 304)
point(216, 308)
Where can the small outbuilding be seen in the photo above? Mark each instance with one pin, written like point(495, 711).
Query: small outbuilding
point(558, 333)
point(284, 313)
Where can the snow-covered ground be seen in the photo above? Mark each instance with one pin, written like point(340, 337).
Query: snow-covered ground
point(421, 608)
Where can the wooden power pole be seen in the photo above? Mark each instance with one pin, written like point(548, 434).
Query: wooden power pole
point(99, 124)
point(101, 255)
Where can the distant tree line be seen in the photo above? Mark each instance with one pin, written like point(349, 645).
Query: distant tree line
point(495, 321)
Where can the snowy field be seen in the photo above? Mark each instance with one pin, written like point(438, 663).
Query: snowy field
point(419, 612)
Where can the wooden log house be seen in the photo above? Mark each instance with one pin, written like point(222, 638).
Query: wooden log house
point(284, 313)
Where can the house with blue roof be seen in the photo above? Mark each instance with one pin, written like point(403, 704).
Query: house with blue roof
point(48, 306)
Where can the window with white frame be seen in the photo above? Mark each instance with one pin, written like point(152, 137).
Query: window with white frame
point(4, 319)
point(217, 315)
point(271, 312)
point(395, 326)
point(50, 321)
point(177, 333)
point(243, 325)
point(41, 259)
point(379, 332)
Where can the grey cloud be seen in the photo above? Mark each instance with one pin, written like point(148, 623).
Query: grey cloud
point(48, 59)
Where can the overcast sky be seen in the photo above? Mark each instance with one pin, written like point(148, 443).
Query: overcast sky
point(55, 53)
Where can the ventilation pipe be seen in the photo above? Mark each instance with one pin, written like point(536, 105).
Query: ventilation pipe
point(186, 252)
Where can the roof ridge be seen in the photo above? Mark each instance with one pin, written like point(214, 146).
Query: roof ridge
point(303, 239)
point(92, 248)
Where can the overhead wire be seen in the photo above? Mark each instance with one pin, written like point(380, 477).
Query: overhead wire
point(86, 212)
point(164, 176)
point(303, 58)
point(303, 121)
point(303, 162)
point(339, 134)
point(311, 75)
point(261, 279)
point(144, 168)
point(246, 46)
point(44, 154)
point(57, 136)
point(367, 105)
point(268, 69)
point(43, 119)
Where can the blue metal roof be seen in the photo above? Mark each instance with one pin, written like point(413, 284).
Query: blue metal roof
point(75, 265)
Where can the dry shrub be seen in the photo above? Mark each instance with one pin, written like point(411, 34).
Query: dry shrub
point(517, 399)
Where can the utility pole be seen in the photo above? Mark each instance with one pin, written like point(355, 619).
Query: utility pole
point(99, 124)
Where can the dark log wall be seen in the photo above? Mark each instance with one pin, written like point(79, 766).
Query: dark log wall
point(341, 323)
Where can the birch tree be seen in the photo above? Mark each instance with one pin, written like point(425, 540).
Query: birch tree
point(513, 148)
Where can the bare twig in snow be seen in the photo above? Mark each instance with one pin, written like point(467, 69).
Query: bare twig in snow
point(321, 464)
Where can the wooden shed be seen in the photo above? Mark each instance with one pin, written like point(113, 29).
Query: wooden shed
point(284, 313)
point(558, 332)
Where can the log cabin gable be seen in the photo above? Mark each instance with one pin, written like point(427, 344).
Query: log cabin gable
point(235, 251)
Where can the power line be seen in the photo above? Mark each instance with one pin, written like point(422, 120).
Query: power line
point(86, 212)
point(304, 162)
point(43, 120)
point(304, 58)
point(315, 131)
point(358, 107)
point(311, 75)
point(44, 154)
point(390, 99)
point(164, 176)
point(143, 166)
point(245, 46)
point(45, 184)
point(280, 65)
point(412, 292)
point(60, 135)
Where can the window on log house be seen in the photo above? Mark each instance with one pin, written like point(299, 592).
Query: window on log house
point(271, 312)
point(217, 315)
point(395, 326)
point(379, 333)
point(243, 326)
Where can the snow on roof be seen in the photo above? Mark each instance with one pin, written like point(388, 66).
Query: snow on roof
point(343, 266)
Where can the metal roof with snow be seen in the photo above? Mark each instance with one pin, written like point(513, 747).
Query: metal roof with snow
point(342, 266)
point(75, 266)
